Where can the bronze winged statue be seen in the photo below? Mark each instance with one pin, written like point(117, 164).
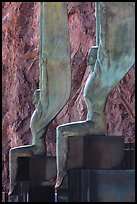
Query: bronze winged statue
point(54, 82)
point(109, 60)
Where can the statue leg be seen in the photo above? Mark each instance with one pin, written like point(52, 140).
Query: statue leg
point(81, 128)
point(61, 155)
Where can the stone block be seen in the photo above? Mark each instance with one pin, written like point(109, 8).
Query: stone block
point(36, 168)
point(95, 151)
point(88, 185)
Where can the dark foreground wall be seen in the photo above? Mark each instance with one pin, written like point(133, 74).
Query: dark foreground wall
point(20, 77)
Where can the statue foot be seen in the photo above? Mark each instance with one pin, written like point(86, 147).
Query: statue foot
point(60, 177)
point(12, 189)
point(9, 193)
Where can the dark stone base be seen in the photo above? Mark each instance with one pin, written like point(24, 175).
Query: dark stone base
point(100, 169)
point(104, 173)
point(36, 168)
point(35, 178)
point(33, 193)
point(42, 194)
point(95, 152)
point(86, 185)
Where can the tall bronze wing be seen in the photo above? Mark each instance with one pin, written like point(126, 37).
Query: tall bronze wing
point(55, 69)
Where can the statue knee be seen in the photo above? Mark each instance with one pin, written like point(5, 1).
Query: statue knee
point(13, 152)
point(60, 129)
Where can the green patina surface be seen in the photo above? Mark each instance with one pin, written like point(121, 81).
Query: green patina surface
point(55, 70)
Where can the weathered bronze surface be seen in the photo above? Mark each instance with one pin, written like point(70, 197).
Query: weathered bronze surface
point(55, 81)
point(109, 61)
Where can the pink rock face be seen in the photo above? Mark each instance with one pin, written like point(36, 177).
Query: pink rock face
point(20, 77)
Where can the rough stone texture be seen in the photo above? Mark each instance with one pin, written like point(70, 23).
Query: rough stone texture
point(20, 77)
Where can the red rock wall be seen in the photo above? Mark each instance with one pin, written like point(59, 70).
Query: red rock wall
point(20, 77)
